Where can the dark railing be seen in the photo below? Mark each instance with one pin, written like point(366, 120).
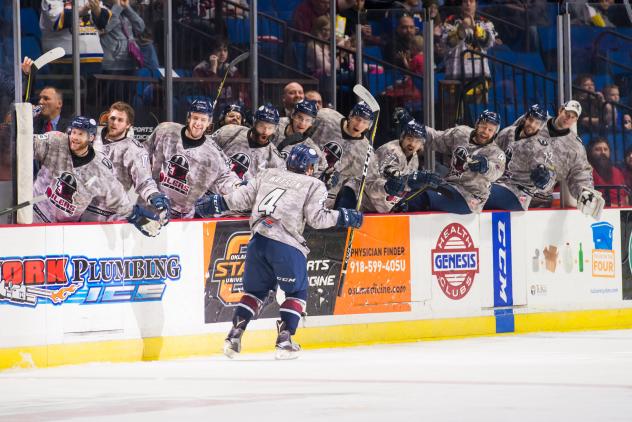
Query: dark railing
point(615, 195)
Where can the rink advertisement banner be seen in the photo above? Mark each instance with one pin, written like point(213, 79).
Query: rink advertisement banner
point(225, 246)
point(573, 258)
point(378, 276)
point(501, 245)
point(626, 249)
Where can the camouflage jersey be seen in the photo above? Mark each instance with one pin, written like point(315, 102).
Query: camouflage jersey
point(522, 156)
point(473, 186)
point(282, 202)
point(344, 153)
point(185, 169)
point(285, 143)
point(131, 168)
point(247, 158)
point(71, 183)
point(389, 155)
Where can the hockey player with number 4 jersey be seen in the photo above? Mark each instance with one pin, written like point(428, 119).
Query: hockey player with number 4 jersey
point(251, 149)
point(73, 174)
point(186, 162)
point(282, 201)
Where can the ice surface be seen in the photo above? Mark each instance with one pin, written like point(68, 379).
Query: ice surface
point(583, 376)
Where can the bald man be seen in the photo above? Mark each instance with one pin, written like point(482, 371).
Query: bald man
point(292, 94)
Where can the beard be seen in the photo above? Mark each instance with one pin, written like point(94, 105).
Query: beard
point(603, 166)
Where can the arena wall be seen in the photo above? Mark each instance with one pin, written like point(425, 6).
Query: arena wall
point(83, 293)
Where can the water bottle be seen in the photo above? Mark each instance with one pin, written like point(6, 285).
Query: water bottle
point(568, 258)
point(37, 110)
point(581, 258)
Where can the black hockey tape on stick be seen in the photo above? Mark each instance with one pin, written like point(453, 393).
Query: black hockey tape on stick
point(235, 62)
point(365, 96)
point(23, 204)
point(40, 62)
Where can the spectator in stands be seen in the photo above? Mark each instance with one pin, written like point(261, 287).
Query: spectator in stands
point(292, 94)
point(591, 101)
point(437, 22)
point(49, 119)
point(318, 53)
point(467, 31)
point(56, 23)
point(612, 116)
point(315, 96)
point(596, 15)
point(605, 172)
point(626, 167)
point(119, 32)
point(216, 66)
point(306, 12)
point(398, 49)
point(351, 16)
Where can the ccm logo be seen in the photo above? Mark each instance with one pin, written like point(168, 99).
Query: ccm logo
point(502, 260)
point(286, 279)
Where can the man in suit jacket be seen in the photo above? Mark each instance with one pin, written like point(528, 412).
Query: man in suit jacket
point(49, 119)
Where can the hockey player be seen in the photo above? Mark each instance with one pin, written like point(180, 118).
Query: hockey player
point(476, 162)
point(282, 201)
point(344, 144)
point(131, 164)
point(296, 130)
point(528, 163)
point(556, 154)
point(232, 114)
point(251, 149)
point(395, 170)
point(186, 163)
point(73, 174)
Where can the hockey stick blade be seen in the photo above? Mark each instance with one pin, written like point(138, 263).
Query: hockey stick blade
point(366, 96)
point(23, 204)
point(49, 56)
point(239, 59)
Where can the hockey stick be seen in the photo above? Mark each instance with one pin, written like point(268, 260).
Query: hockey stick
point(440, 189)
point(235, 62)
point(40, 62)
point(23, 204)
point(366, 96)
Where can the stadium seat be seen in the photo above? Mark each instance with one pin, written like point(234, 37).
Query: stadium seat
point(238, 30)
point(29, 22)
point(31, 47)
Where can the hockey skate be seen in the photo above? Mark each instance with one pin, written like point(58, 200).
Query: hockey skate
point(232, 344)
point(285, 347)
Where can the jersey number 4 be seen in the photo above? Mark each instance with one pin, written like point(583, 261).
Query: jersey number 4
point(268, 203)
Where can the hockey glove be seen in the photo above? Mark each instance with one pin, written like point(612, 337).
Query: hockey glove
point(540, 176)
point(210, 205)
point(332, 180)
point(395, 186)
point(160, 201)
point(460, 157)
point(479, 164)
point(590, 202)
point(418, 179)
point(349, 218)
point(145, 221)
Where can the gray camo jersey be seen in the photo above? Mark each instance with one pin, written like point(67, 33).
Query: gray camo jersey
point(282, 202)
point(344, 155)
point(473, 186)
point(389, 155)
point(131, 168)
point(185, 174)
point(301, 140)
point(247, 162)
point(71, 189)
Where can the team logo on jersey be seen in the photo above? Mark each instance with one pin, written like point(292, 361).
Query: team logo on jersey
point(333, 152)
point(239, 164)
point(62, 195)
point(176, 176)
point(455, 261)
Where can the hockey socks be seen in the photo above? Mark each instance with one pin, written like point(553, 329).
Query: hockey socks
point(291, 312)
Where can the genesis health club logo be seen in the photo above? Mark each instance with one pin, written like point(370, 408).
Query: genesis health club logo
point(455, 261)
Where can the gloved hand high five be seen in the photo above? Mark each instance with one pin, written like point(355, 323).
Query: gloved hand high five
point(478, 164)
point(590, 202)
point(540, 176)
point(349, 218)
point(160, 201)
point(145, 221)
point(210, 205)
point(420, 178)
